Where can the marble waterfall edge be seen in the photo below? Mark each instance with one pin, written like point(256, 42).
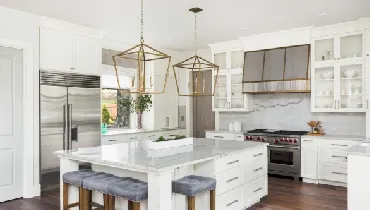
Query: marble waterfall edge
point(158, 145)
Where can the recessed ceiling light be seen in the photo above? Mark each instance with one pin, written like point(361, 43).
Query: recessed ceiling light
point(322, 14)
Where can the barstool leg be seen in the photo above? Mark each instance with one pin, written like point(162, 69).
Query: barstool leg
point(112, 202)
point(87, 199)
point(213, 199)
point(81, 198)
point(191, 202)
point(65, 196)
point(106, 201)
point(133, 205)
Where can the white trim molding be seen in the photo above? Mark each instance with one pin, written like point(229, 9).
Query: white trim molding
point(30, 124)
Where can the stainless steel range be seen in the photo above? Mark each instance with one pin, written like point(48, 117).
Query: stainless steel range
point(284, 150)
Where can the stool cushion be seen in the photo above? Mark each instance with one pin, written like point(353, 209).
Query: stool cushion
point(130, 189)
point(101, 182)
point(193, 185)
point(77, 177)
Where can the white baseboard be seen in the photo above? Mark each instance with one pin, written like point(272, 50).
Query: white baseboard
point(339, 184)
point(311, 181)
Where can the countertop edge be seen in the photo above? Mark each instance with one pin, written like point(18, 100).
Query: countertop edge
point(60, 154)
point(336, 137)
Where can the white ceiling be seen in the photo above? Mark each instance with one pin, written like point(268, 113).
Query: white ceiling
point(169, 24)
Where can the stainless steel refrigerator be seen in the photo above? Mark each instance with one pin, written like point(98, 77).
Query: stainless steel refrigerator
point(70, 107)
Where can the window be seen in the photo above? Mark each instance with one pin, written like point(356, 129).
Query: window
point(119, 111)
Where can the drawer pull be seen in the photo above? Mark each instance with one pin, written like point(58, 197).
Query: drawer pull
point(338, 173)
point(341, 145)
point(133, 138)
point(307, 140)
point(232, 203)
point(221, 137)
point(151, 136)
point(255, 170)
point(112, 140)
point(238, 136)
point(172, 135)
point(230, 180)
point(257, 190)
point(236, 161)
point(258, 154)
point(336, 156)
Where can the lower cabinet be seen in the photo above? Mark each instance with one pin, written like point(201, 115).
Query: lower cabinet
point(324, 161)
point(241, 178)
point(224, 136)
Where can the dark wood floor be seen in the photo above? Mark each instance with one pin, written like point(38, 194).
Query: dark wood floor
point(283, 194)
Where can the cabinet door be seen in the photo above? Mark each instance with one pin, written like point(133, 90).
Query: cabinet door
point(367, 84)
point(237, 59)
point(220, 60)
point(220, 102)
point(323, 49)
point(236, 97)
point(351, 88)
point(56, 50)
point(351, 46)
point(323, 85)
point(309, 159)
point(88, 55)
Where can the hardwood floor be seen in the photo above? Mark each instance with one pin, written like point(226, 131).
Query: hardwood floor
point(283, 194)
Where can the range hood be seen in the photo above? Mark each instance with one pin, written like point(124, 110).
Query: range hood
point(279, 70)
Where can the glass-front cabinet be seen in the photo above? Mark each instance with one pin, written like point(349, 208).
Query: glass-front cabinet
point(338, 73)
point(228, 93)
point(339, 87)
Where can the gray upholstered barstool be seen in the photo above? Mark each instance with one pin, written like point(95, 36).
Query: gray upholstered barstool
point(75, 178)
point(192, 185)
point(130, 189)
point(99, 183)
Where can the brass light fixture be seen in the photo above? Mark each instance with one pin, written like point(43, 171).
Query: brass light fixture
point(197, 85)
point(142, 54)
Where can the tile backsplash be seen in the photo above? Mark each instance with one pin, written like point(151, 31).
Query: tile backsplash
point(292, 111)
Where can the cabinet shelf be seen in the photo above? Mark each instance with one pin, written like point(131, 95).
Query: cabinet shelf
point(351, 78)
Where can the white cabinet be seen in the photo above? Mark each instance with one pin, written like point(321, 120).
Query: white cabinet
point(358, 182)
point(338, 73)
point(88, 55)
point(309, 158)
point(67, 52)
point(228, 96)
point(228, 93)
point(56, 50)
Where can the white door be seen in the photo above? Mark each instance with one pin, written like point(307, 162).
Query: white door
point(11, 130)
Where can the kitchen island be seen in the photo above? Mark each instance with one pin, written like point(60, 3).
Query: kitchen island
point(240, 169)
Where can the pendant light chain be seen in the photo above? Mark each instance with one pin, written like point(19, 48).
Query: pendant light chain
point(195, 33)
point(142, 21)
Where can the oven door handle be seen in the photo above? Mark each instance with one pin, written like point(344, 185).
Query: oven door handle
point(282, 147)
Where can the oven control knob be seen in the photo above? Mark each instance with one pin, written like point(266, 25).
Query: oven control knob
point(286, 140)
point(290, 140)
point(276, 141)
point(251, 137)
point(247, 137)
point(282, 140)
point(263, 140)
point(295, 141)
point(258, 138)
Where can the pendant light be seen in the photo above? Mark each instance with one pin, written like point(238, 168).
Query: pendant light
point(197, 85)
point(142, 81)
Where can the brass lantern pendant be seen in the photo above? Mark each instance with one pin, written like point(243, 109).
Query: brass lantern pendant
point(196, 65)
point(142, 81)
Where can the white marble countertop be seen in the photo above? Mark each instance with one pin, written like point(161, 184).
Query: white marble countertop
point(225, 131)
point(360, 149)
point(337, 137)
point(133, 155)
point(117, 131)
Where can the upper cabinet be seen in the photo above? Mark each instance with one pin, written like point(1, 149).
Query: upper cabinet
point(67, 52)
point(339, 73)
point(229, 97)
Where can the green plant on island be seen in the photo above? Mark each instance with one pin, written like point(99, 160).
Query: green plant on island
point(161, 138)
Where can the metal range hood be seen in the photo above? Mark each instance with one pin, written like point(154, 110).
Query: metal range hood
point(279, 70)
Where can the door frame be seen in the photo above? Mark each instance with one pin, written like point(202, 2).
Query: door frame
point(30, 163)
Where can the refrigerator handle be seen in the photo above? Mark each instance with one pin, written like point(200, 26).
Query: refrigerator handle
point(64, 127)
point(69, 126)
